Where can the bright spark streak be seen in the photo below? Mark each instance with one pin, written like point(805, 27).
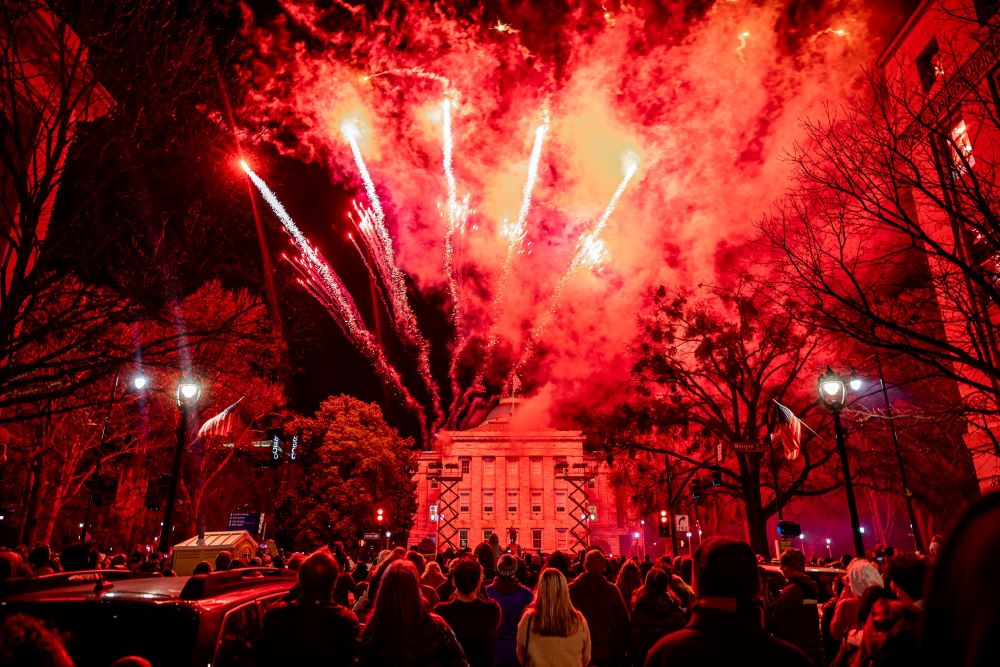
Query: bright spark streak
point(743, 36)
point(352, 134)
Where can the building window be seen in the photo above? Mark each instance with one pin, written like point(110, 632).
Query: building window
point(463, 538)
point(489, 465)
point(560, 501)
point(929, 65)
point(561, 465)
point(562, 538)
point(961, 148)
point(434, 484)
point(536, 538)
point(536, 501)
point(488, 496)
point(487, 533)
point(512, 501)
point(463, 501)
point(466, 463)
point(512, 468)
point(536, 466)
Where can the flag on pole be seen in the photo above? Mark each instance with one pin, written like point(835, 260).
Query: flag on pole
point(789, 432)
point(221, 424)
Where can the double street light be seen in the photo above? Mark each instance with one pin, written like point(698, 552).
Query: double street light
point(833, 392)
point(188, 394)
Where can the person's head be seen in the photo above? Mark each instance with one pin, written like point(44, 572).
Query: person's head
point(237, 564)
point(657, 581)
point(399, 609)
point(629, 576)
point(467, 575)
point(432, 575)
point(203, 567)
point(507, 567)
point(317, 575)
point(256, 562)
point(222, 561)
point(559, 560)
point(906, 573)
point(554, 614)
point(40, 556)
point(132, 661)
point(726, 568)
point(595, 562)
point(78, 557)
point(494, 539)
point(792, 562)
point(962, 607)
point(862, 575)
point(27, 642)
point(686, 569)
point(889, 635)
point(417, 559)
point(486, 556)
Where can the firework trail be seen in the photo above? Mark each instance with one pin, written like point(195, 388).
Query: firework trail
point(376, 239)
point(515, 234)
point(590, 251)
point(322, 282)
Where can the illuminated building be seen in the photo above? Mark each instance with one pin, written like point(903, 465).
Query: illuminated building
point(536, 481)
point(946, 58)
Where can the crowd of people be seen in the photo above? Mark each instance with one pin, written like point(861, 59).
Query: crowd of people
point(486, 608)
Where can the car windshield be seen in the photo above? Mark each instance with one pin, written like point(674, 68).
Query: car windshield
point(100, 632)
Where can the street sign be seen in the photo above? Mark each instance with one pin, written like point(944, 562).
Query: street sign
point(747, 447)
point(243, 521)
point(683, 525)
point(371, 536)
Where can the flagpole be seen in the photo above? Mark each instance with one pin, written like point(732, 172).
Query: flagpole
point(774, 473)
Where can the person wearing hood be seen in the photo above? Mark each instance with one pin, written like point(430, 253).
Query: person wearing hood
point(513, 598)
point(655, 614)
point(725, 627)
point(794, 614)
point(861, 575)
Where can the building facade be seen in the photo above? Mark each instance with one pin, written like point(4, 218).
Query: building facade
point(537, 489)
point(945, 60)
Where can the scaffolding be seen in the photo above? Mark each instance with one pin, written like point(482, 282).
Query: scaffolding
point(448, 477)
point(577, 476)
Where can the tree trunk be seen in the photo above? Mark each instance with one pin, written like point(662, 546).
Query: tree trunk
point(756, 518)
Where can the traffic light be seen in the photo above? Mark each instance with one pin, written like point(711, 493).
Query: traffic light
point(379, 515)
point(696, 489)
point(716, 476)
point(664, 524)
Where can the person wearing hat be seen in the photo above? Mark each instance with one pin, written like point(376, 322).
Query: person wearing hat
point(602, 605)
point(725, 627)
point(794, 614)
point(513, 598)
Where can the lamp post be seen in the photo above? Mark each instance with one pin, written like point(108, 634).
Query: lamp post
point(833, 392)
point(188, 393)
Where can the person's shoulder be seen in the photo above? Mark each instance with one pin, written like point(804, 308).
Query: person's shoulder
point(670, 646)
point(784, 654)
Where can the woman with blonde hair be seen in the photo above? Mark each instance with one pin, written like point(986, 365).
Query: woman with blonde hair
point(552, 633)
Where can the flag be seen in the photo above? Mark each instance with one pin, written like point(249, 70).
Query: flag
point(221, 424)
point(789, 432)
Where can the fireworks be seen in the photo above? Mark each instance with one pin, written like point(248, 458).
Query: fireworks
point(323, 283)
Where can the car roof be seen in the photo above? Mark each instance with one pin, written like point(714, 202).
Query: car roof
point(206, 591)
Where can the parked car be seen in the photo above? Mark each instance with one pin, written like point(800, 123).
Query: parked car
point(211, 619)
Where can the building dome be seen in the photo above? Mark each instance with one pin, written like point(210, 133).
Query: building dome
point(504, 409)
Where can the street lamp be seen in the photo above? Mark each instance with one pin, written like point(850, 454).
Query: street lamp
point(833, 392)
point(140, 382)
point(829, 549)
point(188, 393)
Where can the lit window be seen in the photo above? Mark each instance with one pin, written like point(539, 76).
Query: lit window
point(463, 539)
point(536, 466)
point(961, 148)
point(489, 465)
point(560, 501)
point(465, 463)
point(512, 501)
point(536, 538)
point(488, 501)
point(536, 501)
point(463, 501)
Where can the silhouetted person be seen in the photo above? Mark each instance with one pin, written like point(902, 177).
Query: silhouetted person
point(203, 567)
point(602, 605)
point(474, 620)
point(513, 599)
point(222, 561)
point(655, 614)
point(906, 574)
point(962, 609)
point(794, 614)
point(401, 631)
point(27, 642)
point(725, 627)
point(312, 629)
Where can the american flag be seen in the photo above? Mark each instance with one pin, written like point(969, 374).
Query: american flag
point(221, 424)
point(789, 432)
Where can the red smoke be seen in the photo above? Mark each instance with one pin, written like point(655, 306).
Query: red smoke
point(707, 94)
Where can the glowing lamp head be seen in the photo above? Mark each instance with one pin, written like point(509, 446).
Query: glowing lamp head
point(140, 382)
point(636, 534)
point(828, 541)
point(855, 383)
point(188, 393)
point(831, 387)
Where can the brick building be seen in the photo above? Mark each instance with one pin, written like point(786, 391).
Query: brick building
point(535, 483)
